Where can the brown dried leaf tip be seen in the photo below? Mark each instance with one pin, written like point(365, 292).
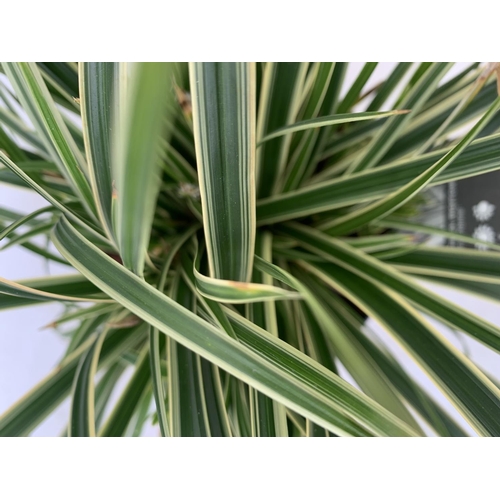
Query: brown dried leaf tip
point(130, 320)
point(184, 99)
point(489, 69)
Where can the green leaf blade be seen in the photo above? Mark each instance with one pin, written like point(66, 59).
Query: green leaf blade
point(97, 83)
point(37, 101)
point(325, 121)
point(82, 414)
point(264, 371)
point(136, 157)
point(346, 224)
point(471, 392)
point(482, 156)
point(224, 129)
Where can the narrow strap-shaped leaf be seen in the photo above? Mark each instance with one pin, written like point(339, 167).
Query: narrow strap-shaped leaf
point(156, 349)
point(177, 166)
point(377, 243)
point(17, 126)
point(22, 417)
point(212, 308)
point(215, 413)
point(75, 132)
point(329, 106)
point(141, 415)
point(474, 395)
point(315, 341)
point(341, 408)
point(349, 352)
point(40, 171)
point(482, 156)
point(466, 100)
point(24, 292)
point(118, 420)
point(386, 89)
point(404, 225)
point(53, 201)
point(40, 228)
point(157, 343)
point(308, 146)
point(223, 96)
point(188, 412)
point(241, 412)
point(263, 422)
point(454, 84)
point(418, 130)
point(300, 159)
point(344, 225)
point(395, 252)
point(271, 325)
point(82, 313)
point(330, 103)
point(319, 90)
point(369, 267)
point(64, 75)
point(355, 358)
point(388, 134)
point(430, 120)
point(356, 88)
point(11, 215)
point(97, 82)
point(236, 292)
point(316, 346)
point(325, 121)
point(268, 417)
point(82, 413)
point(10, 147)
point(7, 97)
point(53, 285)
point(24, 220)
point(458, 263)
point(217, 417)
point(303, 143)
point(104, 389)
point(87, 328)
point(38, 103)
point(248, 334)
point(428, 409)
point(136, 157)
point(420, 71)
point(485, 290)
point(278, 106)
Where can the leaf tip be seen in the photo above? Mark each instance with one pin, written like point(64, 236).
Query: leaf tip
point(49, 325)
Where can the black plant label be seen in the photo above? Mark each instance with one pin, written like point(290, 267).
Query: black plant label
point(473, 208)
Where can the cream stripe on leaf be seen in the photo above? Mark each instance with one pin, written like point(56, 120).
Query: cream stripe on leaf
point(142, 104)
point(223, 98)
point(387, 205)
point(268, 364)
point(49, 124)
point(97, 80)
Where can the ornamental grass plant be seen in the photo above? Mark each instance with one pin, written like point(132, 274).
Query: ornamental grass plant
point(228, 228)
